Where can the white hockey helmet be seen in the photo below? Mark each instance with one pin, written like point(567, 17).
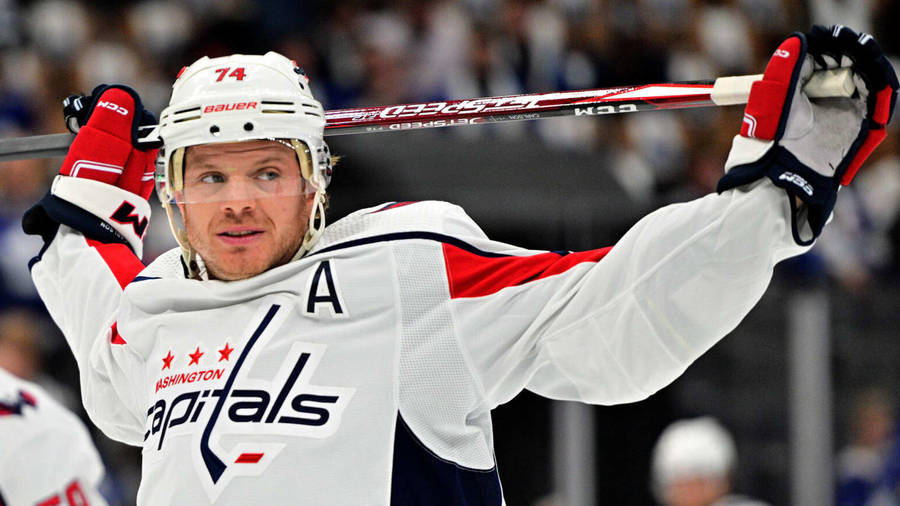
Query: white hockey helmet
point(240, 98)
point(698, 447)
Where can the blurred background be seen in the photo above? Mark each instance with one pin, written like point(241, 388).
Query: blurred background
point(807, 385)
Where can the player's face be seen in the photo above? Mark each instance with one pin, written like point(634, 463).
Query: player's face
point(695, 491)
point(252, 224)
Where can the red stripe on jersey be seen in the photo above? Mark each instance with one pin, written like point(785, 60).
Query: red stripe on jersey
point(115, 338)
point(120, 260)
point(27, 398)
point(248, 458)
point(474, 275)
point(395, 205)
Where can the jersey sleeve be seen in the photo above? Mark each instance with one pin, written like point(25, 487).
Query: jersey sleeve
point(56, 466)
point(80, 275)
point(614, 325)
point(47, 454)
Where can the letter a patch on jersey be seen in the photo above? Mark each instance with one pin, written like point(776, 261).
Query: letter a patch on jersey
point(323, 290)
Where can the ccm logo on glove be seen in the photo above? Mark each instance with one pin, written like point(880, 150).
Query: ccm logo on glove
point(113, 107)
point(797, 180)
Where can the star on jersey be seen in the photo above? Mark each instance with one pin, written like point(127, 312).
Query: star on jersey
point(225, 352)
point(195, 357)
point(167, 360)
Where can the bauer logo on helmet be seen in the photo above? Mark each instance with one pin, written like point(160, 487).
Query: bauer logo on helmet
point(234, 106)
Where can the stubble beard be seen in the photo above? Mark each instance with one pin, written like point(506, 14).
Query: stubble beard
point(244, 267)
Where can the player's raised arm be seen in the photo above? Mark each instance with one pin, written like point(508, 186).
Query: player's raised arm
point(93, 222)
point(615, 327)
point(95, 216)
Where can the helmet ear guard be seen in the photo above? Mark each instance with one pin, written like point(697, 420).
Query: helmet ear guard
point(269, 99)
point(169, 180)
point(319, 179)
point(318, 172)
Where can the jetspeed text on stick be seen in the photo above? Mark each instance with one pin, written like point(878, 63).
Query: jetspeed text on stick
point(477, 106)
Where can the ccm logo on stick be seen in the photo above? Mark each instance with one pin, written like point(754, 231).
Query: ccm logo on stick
point(235, 106)
point(604, 109)
point(113, 107)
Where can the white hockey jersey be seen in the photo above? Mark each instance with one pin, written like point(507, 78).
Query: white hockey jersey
point(47, 457)
point(365, 372)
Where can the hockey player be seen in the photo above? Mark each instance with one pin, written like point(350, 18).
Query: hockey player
point(271, 357)
point(46, 454)
point(693, 463)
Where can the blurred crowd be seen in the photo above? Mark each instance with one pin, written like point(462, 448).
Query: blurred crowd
point(361, 53)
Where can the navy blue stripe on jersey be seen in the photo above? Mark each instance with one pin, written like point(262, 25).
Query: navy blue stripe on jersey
point(386, 206)
point(420, 477)
point(214, 464)
point(484, 272)
point(393, 205)
point(382, 208)
point(401, 236)
point(143, 278)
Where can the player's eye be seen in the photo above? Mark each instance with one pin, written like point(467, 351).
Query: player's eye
point(268, 174)
point(211, 177)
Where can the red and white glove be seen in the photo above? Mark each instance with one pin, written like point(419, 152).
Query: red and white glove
point(107, 176)
point(809, 147)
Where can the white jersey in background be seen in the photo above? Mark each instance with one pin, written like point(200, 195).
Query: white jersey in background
point(46, 454)
point(365, 372)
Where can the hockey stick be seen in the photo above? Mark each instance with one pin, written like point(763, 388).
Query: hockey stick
point(722, 91)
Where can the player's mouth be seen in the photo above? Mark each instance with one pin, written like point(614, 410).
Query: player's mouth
point(240, 236)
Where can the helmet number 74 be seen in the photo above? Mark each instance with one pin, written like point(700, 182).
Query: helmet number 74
point(237, 73)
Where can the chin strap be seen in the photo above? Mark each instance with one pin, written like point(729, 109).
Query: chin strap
point(316, 225)
point(193, 264)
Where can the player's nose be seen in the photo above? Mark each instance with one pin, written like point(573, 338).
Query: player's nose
point(238, 196)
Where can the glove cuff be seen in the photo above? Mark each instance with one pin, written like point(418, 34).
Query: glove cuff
point(817, 192)
point(746, 150)
point(113, 214)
